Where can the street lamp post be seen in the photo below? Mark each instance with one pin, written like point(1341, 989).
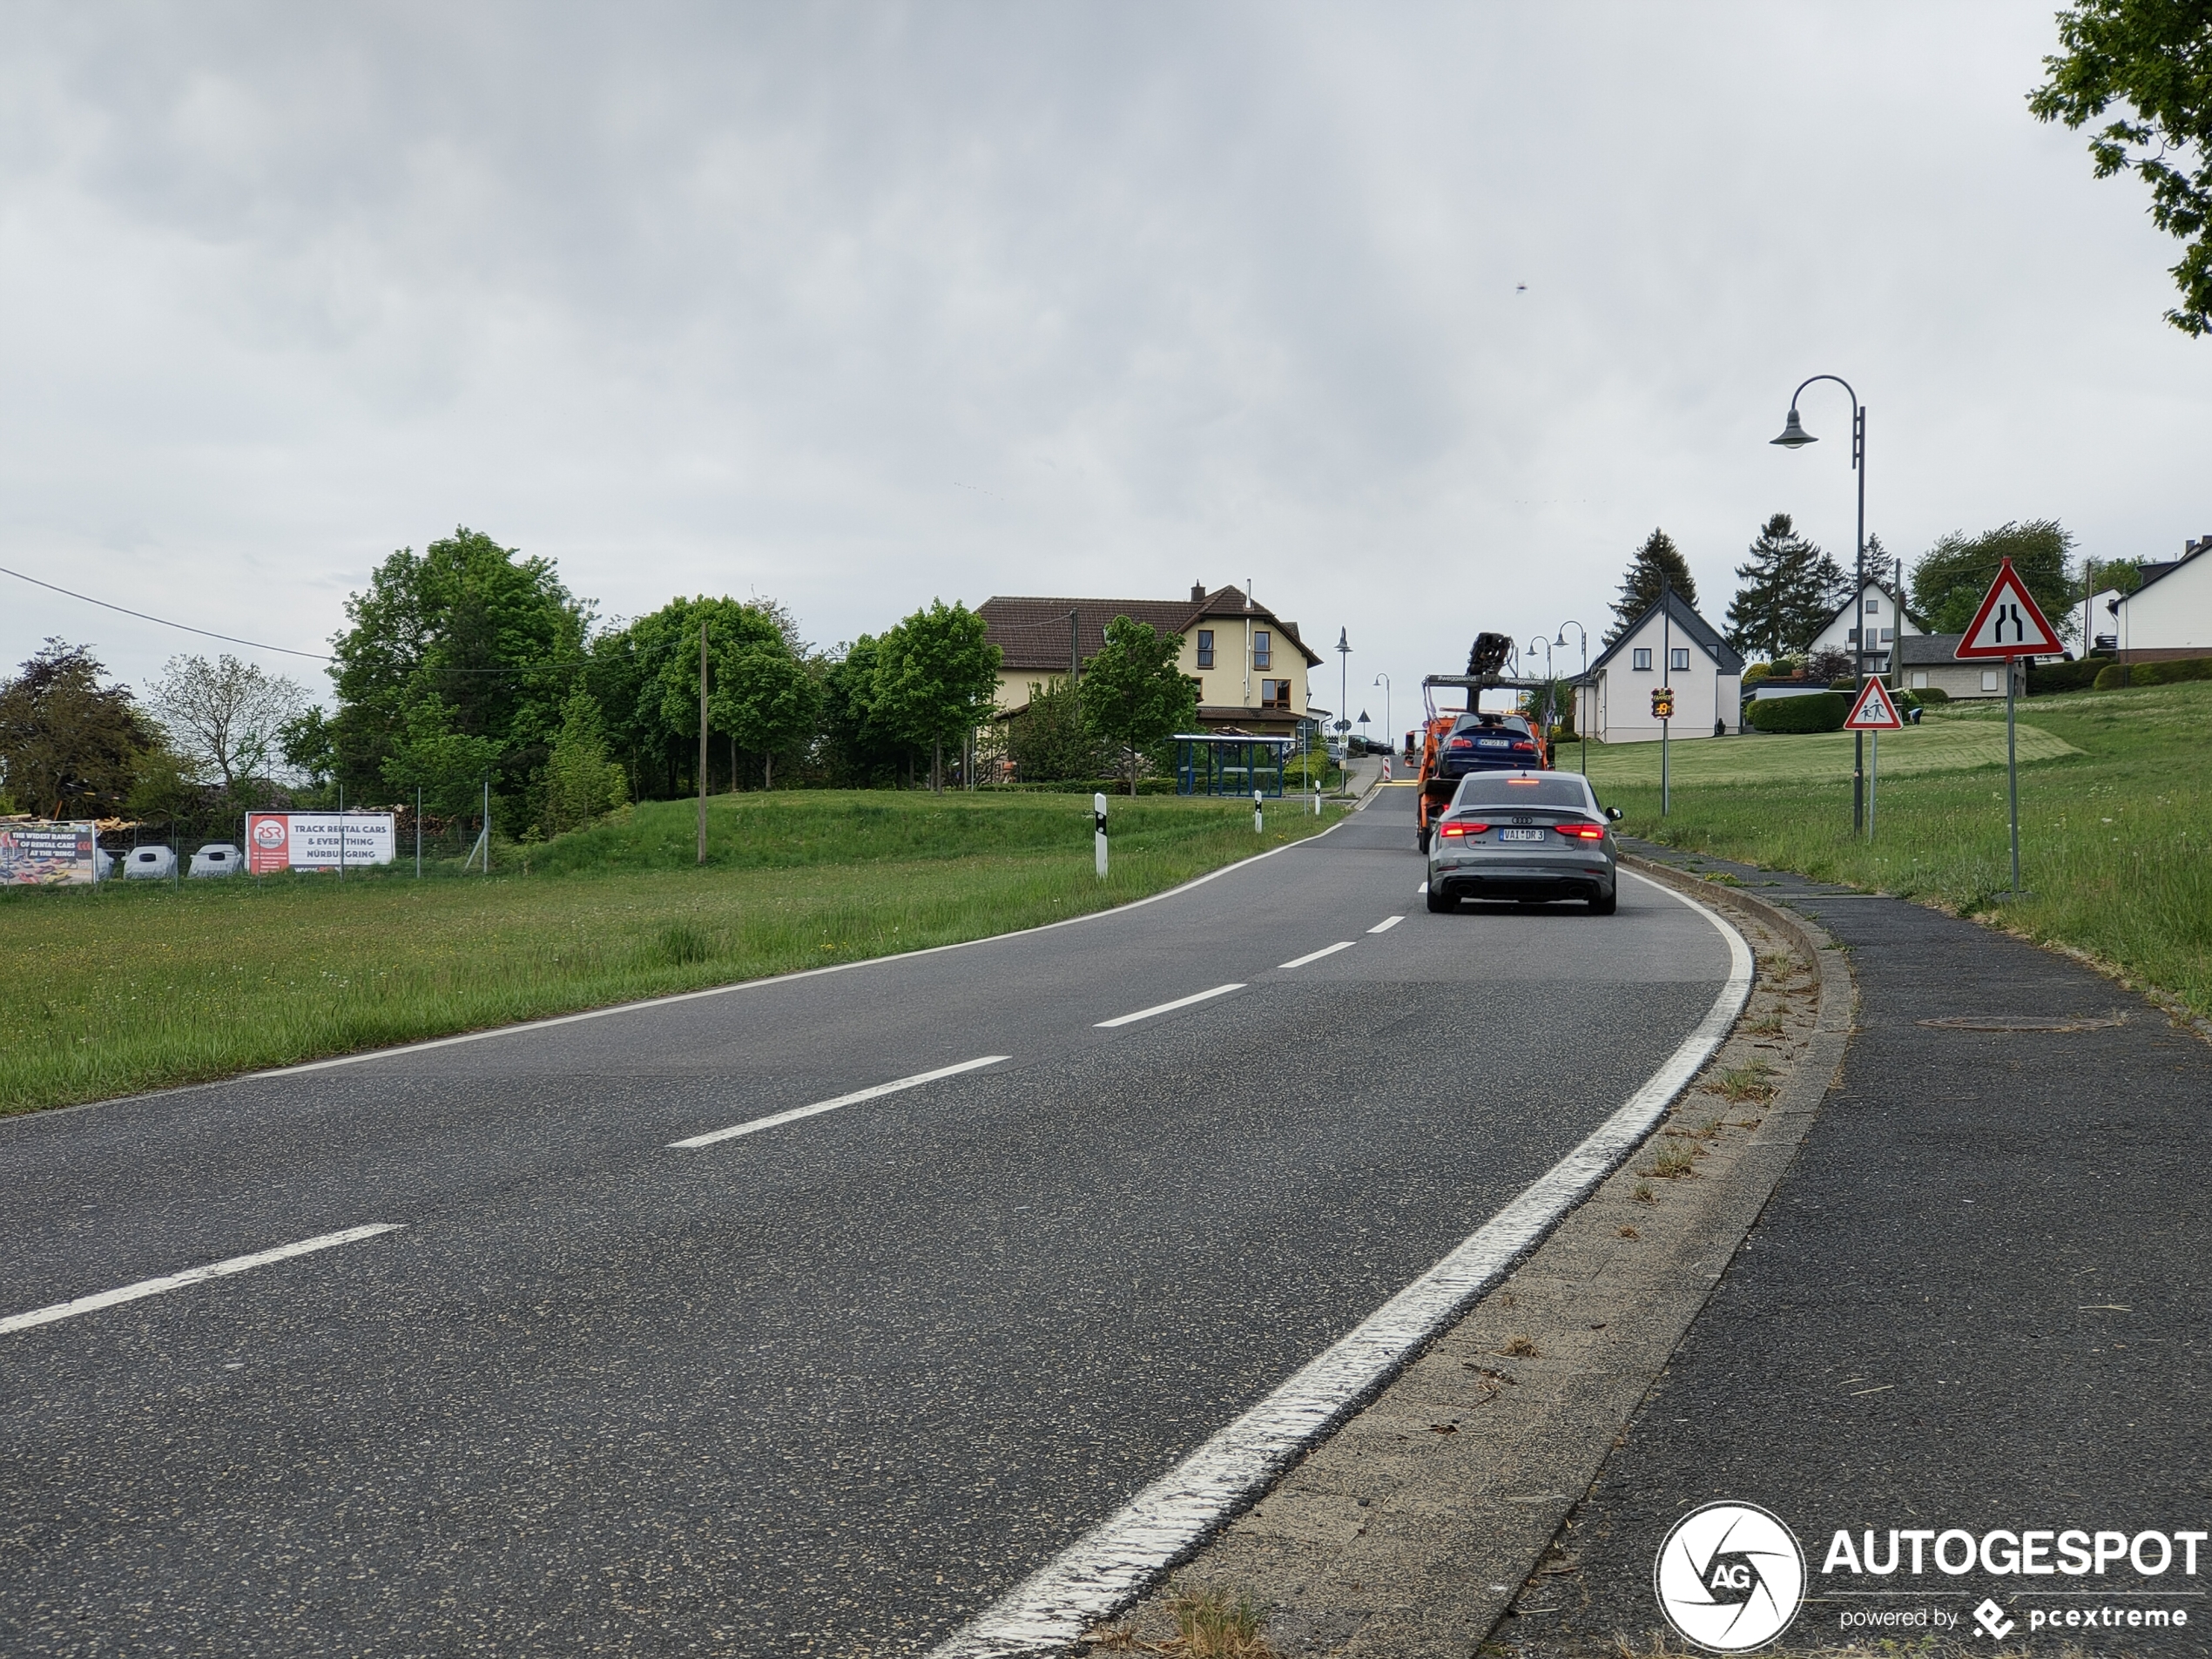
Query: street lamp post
point(1544, 714)
point(1383, 680)
point(1793, 437)
point(1582, 729)
point(1344, 697)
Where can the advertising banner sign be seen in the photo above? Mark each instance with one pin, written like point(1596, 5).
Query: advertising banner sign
point(43, 855)
point(317, 841)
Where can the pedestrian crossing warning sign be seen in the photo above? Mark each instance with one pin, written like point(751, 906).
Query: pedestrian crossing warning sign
point(1876, 711)
point(2009, 623)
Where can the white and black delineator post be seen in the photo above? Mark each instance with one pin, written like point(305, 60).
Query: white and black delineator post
point(1098, 833)
point(1260, 824)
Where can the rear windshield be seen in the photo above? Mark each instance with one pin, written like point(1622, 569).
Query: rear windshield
point(1497, 791)
point(1496, 722)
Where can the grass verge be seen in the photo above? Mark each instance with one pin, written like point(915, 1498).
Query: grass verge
point(136, 986)
point(2116, 826)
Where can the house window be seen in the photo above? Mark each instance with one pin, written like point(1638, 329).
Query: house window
point(1205, 648)
point(1260, 649)
point(1679, 657)
point(1873, 607)
point(1988, 679)
point(1275, 694)
point(1919, 679)
point(1640, 659)
point(1888, 634)
point(1852, 634)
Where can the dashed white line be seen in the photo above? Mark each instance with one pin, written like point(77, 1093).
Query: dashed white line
point(1170, 1007)
point(1316, 955)
point(190, 1276)
point(1420, 890)
point(1103, 1571)
point(853, 1099)
point(1386, 924)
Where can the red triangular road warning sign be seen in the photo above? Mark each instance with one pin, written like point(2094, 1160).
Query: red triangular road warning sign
point(2009, 623)
point(1874, 712)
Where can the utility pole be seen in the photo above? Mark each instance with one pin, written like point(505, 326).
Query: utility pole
point(702, 737)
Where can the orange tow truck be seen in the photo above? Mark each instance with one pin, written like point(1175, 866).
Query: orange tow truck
point(1517, 737)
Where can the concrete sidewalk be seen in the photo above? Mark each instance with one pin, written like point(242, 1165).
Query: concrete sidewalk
point(1978, 1302)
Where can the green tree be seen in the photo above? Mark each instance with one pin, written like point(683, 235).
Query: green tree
point(2153, 57)
point(858, 749)
point(581, 782)
point(1950, 579)
point(492, 638)
point(1048, 741)
point(1657, 557)
point(1135, 697)
point(935, 675)
point(69, 745)
point(767, 699)
point(431, 753)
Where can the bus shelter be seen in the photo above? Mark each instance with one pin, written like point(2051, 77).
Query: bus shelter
point(1208, 762)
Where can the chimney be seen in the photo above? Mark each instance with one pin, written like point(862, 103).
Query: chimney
point(1197, 593)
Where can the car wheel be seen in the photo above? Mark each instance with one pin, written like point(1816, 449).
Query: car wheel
point(1607, 905)
point(1440, 902)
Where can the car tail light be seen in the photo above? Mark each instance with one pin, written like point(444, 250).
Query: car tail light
point(1463, 743)
point(1465, 829)
point(1524, 748)
point(1583, 831)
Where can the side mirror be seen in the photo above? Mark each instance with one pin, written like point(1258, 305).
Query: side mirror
point(1614, 814)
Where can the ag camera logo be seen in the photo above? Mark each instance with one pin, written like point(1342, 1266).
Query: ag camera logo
point(1729, 1577)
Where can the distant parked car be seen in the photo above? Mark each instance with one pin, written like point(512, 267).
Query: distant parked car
point(103, 864)
point(219, 858)
point(149, 864)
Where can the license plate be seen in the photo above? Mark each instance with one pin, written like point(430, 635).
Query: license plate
point(1493, 743)
point(1520, 835)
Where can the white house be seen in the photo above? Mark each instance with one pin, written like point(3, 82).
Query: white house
point(1881, 612)
point(2171, 614)
point(1671, 645)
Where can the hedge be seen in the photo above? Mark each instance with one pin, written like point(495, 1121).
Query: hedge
point(1820, 712)
point(2167, 673)
point(2045, 679)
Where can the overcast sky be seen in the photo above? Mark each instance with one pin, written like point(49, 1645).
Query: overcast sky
point(857, 305)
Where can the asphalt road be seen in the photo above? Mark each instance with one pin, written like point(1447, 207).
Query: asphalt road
point(828, 1387)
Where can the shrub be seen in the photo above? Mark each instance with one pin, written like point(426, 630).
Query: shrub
point(2182, 668)
point(2112, 677)
point(1823, 711)
point(1928, 694)
point(2046, 678)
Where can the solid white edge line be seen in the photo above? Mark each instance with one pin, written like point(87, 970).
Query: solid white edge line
point(853, 1099)
point(190, 1276)
point(1170, 1007)
point(548, 1023)
point(1316, 955)
point(1386, 924)
point(1119, 1559)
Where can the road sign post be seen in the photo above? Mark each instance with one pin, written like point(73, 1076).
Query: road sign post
point(2009, 625)
point(1874, 712)
point(1663, 710)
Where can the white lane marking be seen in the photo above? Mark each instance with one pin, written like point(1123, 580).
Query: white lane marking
point(853, 1099)
point(1110, 1565)
point(1420, 889)
point(528, 1025)
point(1388, 922)
point(1170, 1007)
point(1316, 955)
point(190, 1276)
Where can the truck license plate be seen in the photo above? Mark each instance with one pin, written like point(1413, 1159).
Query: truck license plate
point(1520, 835)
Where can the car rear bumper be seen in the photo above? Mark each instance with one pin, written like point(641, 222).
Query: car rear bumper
point(1506, 878)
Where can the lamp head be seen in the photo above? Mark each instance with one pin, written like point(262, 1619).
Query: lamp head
point(1343, 641)
point(1562, 640)
point(1794, 435)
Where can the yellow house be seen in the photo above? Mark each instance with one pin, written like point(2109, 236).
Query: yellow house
point(1250, 665)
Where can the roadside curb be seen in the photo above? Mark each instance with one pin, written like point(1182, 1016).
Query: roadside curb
point(1423, 1520)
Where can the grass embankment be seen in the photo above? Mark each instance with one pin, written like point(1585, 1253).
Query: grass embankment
point(2115, 818)
point(133, 986)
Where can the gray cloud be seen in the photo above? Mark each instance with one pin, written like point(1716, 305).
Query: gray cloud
point(859, 305)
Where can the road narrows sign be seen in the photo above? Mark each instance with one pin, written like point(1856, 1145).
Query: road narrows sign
point(1874, 712)
point(2010, 622)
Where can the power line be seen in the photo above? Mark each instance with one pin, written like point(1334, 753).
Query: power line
point(205, 633)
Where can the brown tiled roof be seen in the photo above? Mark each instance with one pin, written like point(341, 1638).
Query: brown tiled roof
point(1032, 633)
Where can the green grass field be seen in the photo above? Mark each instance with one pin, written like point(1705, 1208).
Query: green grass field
point(2115, 818)
point(133, 986)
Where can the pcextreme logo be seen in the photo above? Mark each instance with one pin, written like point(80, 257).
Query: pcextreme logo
point(1729, 1577)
